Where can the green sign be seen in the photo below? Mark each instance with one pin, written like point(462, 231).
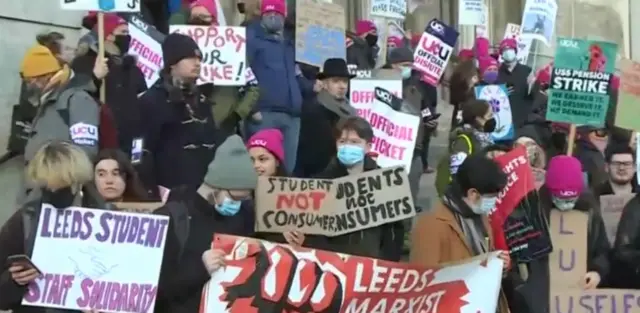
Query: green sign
point(579, 90)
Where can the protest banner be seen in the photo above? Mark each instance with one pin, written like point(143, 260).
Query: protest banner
point(80, 253)
point(611, 207)
point(394, 9)
point(520, 182)
point(482, 30)
point(223, 53)
point(138, 207)
point(320, 32)
point(498, 98)
point(145, 46)
point(579, 90)
point(261, 276)
point(101, 5)
point(524, 44)
point(333, 207)
point(527, 234)
point(362, 90)
point(471, 12)
point(628, 109)
point(539, 20)
point(434, 51)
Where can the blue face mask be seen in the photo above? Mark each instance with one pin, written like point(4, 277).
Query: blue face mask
point(228, 207)
point(406, 72)
point(486, 205)
point(273, 23)
point(350, 154)
point(509, 55)
point(490, 77)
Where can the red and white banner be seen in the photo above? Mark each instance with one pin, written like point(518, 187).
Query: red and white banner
point(260, 276)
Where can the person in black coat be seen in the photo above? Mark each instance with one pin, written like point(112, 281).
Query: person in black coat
point(180, 135)
point(515, 76)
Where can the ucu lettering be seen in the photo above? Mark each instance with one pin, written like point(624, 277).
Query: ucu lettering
point(435, 47)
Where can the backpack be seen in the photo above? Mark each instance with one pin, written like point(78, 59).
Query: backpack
point(443, 171)
point(107, 130)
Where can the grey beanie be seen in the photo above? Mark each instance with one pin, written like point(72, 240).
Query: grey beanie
point(231, 168)
point(400, 55)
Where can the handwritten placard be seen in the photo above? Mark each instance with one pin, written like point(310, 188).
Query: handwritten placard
point(86, 255)
point(320, 31)
point(568, 261)
point(628, 95)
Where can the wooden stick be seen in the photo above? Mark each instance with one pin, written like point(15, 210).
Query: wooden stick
point(571, 139)
point(101, 52)
point(524, 271)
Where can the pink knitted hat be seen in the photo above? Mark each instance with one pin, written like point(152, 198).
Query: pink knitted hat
point(210, 5)
point(508, 43)
point(564, 177)
point(365, 26)
point(278, 6)
point(270, 139)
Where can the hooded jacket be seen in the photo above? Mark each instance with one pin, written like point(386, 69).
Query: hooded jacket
point(532, 295)
point(382, 242)
point(274, 64)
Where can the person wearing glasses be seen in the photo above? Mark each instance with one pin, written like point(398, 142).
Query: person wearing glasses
point(621, 167)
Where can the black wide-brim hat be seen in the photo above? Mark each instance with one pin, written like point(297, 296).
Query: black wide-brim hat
point(335, 67)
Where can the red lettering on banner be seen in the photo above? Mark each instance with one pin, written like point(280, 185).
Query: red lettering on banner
point(217, 72)
point(146, 70)
point(279, 281)
point(212, 37)
point(384, 124)
point(145, 52)
point(429, 66)
point(388, 149)
point(301, 200)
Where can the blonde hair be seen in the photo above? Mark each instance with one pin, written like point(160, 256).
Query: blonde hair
point(59, 164)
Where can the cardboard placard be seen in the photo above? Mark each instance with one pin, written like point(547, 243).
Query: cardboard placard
point(138, 207)
point(568, 261)
point(519, 183)
point(611, 207)
point(320, 32)
point(596, 300)
point(333, 207)
point(628, 95)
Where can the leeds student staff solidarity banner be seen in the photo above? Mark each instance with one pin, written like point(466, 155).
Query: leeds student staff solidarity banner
point(223, 53)
point(582, 73)
point(333, 207)
point(86, 258)
point(263, 277)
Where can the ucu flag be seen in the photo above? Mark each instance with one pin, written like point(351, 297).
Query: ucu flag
point(442, 31)
point(84, 134)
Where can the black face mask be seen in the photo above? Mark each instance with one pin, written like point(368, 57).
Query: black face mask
point(123, 42)
point(489, 126)
point(241, 7)
point(61, 198)
point(372, 40)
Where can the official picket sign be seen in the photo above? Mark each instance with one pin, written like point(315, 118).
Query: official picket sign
point(223, 53)
point(260, 274)
point(333, 207)
point(79, 252)
point(101, 5)
point(145, 46)
point(434, 51)
point(611, 207)
point(579, 90)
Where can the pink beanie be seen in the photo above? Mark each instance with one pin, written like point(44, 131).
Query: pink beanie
point(487, 64)
point(508, 43)
point(365, 26)
point(210, 5)
point(111, 22)
point(277, 6)
point(270, 139)
point(481, 47)
point(465, 54)
point(564, 177)
point(544, 74)
point(395, 41)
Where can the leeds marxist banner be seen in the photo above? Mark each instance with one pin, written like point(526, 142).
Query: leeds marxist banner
point(579, 91)
point(434, 51)
point(263, 277)
point(333, 207)
point(223, 53)
point(145, 46)
point(80, 253)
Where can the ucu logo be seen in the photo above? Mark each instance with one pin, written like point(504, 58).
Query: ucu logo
point(270, 7)
point(568, 43)
point(568, 193)
point(259, 142)
point(437, 27)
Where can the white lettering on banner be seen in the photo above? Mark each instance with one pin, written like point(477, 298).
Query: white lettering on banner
point(84, 134)
point(223, 53)
point(394, 9)
point(431, 58)
point(147, 51)
point(102, 5)
point(395, 132)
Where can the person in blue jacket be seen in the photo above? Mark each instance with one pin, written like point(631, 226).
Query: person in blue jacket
point(271, 56)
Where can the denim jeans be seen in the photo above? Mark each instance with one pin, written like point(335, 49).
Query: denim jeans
point(287, 124)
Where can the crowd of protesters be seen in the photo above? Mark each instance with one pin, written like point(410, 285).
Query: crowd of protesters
point(201, 149)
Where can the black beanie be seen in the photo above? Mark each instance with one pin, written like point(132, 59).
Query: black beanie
point(176, 47)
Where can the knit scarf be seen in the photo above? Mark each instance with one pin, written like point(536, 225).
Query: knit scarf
point(484, 138)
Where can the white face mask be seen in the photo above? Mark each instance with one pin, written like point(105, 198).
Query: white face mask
point(486, 205)
point(509, 55)
point(564, 204)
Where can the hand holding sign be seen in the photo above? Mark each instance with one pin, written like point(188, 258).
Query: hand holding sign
point(591, 280)
point(213, 259)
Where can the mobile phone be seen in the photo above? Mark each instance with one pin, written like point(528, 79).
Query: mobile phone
point(22, 259)
point(430, 117)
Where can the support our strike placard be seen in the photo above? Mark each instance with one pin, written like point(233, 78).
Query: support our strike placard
point(223, 53)
point(333, 207)
point(264, 277)
point(85, 256)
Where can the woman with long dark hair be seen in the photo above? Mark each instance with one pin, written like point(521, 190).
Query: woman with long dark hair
point(116, 179)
